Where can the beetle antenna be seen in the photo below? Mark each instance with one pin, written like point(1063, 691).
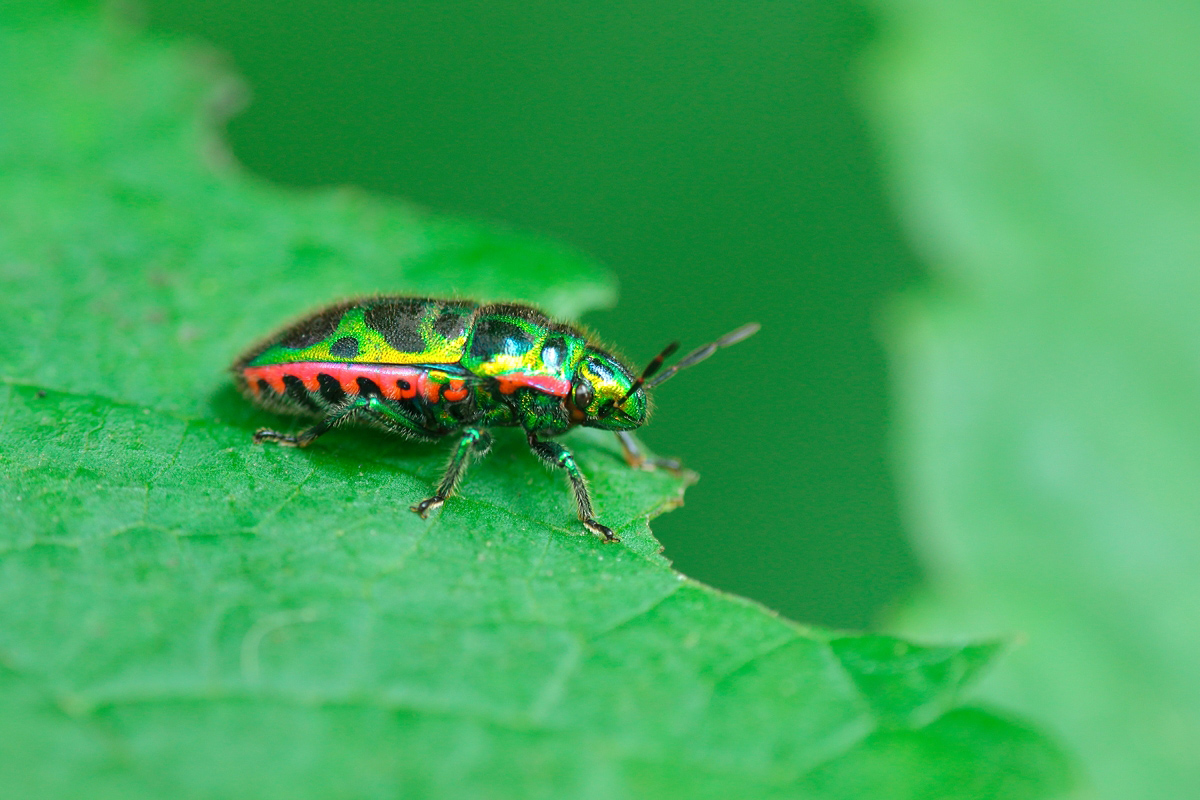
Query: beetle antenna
point(654, 366)
point(700, 353)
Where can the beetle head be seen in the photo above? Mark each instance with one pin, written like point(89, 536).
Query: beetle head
point(605, 394)
point(601, 395)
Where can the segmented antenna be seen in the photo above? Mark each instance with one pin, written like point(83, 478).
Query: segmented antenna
point(699, 354)
point(654, 366)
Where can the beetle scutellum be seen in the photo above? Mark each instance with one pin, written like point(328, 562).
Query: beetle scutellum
point(426, 368)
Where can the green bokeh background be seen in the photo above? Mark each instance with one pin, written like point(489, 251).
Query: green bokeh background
point(714, 157)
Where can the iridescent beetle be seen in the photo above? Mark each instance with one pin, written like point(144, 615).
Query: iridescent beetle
point(426, 368)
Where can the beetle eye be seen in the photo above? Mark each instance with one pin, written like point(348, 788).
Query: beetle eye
point(584, 394)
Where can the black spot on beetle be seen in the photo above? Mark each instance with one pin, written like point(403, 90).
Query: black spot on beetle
point(564, 328)
point(294, 389)
point(308, 332)
point(369, 388)
point(601, 371)
point(398, 321)
point(263, 386)
point(495, 335)
point(331, 390)
point(516, 311)
point(452, 321)
point(403, 384)
point(345, 347)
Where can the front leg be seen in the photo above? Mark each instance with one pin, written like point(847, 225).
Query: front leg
point(636, 457)
point(474, 440)
point(560, 457)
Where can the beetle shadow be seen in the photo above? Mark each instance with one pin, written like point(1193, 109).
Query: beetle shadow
point(230, 408)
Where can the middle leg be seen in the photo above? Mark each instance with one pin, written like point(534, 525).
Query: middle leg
point(473, 441)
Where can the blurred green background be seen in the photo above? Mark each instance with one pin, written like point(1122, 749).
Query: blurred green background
point(714, 157)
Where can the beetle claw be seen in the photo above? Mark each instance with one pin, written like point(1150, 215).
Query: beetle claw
point(283, 439)
point(423, 508)
point(603, 531)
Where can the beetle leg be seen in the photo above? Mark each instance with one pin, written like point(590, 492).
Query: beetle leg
point(474, 440)
point(637, 458)
point(560, 457)
point(392, 419)
point(371, 407)
point(306, 437)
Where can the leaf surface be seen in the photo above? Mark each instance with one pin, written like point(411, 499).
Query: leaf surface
point(1047, 157)
point(184, 614)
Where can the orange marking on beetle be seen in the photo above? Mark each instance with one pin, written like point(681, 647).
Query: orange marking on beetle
point(429, 389)
point(455, 392)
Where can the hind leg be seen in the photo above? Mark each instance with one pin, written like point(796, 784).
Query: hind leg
point(306, 437)
point(370, 408)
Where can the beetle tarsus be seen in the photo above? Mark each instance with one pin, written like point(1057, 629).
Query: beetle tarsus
point(603, 531)
point(423, 508)
point(285, 439)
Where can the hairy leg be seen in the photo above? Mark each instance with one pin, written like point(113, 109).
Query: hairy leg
point(371, 408)
point(474, 441)
point(307, 436)
point(560, 457)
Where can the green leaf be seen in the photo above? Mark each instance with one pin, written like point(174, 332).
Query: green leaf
point(1047, 158)
point(908, 685)
point(185, 614)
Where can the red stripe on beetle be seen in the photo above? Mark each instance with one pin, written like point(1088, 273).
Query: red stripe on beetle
point(396, 382)
point(546, 384)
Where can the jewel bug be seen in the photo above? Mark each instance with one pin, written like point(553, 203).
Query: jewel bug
point(425, 369)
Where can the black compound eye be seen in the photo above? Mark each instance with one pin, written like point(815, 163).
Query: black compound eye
point(584, 394)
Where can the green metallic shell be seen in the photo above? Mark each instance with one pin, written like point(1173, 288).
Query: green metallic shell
point(379, 331)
